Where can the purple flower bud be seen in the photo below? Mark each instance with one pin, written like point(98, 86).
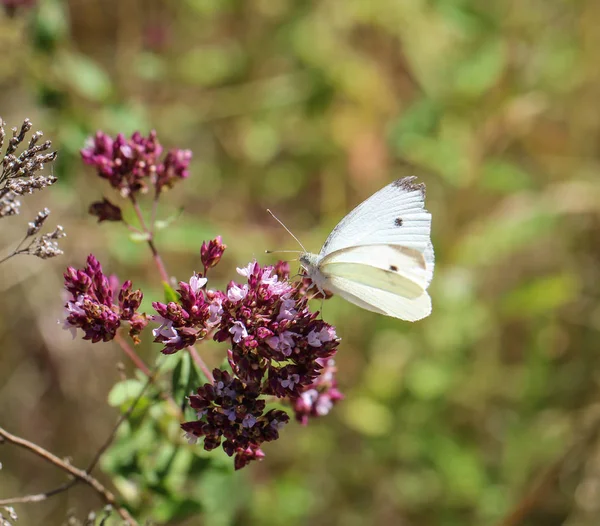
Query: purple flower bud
point(211, 252)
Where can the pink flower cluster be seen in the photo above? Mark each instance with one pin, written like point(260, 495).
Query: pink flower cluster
point(92, 307)
point(132, 165)
point(277, 347)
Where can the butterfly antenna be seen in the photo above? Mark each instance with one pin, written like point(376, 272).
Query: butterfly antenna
point(286, 229)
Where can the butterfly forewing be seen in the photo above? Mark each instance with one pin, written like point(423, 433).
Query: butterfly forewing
point(395, 215)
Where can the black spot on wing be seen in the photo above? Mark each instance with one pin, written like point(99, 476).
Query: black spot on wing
point(394, 268)
point(398, 221)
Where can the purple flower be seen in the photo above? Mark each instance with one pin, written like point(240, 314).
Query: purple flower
point(236, 293)
point(197, 282)
point(92, 307)
point(326, 334)
point(283, 343)
point(277, 348)
point(286, 310)
point(165, 332)
point(238, 331)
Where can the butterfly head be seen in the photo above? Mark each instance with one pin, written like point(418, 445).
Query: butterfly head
point(309, 261)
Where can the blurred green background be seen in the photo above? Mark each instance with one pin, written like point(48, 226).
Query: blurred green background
point(307, 107)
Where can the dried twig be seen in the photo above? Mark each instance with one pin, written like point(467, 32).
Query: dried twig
point(79, 474)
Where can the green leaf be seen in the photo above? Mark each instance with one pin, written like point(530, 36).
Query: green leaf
point(543, 295)
point(170, 293)
point(50, 25)
point(185, 378)
point(504, 177)
point(124, 392)
point(367, 416)
point(428, 380)
point(482, 69)
point(84, 75)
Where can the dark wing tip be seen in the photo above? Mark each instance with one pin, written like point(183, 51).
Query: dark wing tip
point(407, 184)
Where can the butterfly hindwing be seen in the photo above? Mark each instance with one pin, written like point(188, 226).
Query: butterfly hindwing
point(392, 268)
point(381, 301)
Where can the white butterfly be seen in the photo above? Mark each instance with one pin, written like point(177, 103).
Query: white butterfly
point(380, 256)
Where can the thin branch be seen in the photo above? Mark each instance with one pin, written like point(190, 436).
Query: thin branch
point(8, 257)
point(38, 497)
point(78, 474)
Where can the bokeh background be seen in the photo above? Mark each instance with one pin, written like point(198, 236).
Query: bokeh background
point(484, 411)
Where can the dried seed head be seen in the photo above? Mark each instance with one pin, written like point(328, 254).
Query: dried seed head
point(17, 138)
point(38, 222)
point(9, 205)
point(27, 163)
point(27, 186)
point(35, 138)
point(45, 246)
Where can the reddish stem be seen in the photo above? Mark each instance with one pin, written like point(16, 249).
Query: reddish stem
point(139, 363)
point(200, 363)
point(155, 255)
